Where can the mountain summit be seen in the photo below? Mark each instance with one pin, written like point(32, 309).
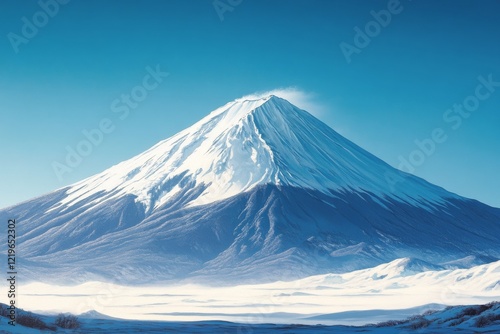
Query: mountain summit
point(257, 190)
point(244, 144)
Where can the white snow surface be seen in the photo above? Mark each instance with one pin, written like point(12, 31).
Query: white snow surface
point(389, 286)
point(247, 143)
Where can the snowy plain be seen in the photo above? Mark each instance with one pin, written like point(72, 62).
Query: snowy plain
point(387, 292)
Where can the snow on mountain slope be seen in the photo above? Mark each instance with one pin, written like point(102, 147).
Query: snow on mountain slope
point(248, 143)
point(268, 233)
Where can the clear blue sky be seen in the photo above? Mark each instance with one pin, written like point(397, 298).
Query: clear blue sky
point(395, 90)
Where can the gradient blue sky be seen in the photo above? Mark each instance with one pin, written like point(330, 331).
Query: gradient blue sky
point(394, 91)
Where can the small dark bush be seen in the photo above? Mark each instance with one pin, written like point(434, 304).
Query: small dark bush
point(32, 321)
point(419, 323)
point(67, 321)
point(471, 311)
point(391, 323)
point(429, 312)
point(476, 310)
point(482, 321)
point(3, 311)
point(486, 320)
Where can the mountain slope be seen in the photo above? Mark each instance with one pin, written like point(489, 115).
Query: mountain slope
point(257, 190)
point(248, 143)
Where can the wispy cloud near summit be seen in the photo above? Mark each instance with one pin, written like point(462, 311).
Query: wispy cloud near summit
point(304, 100)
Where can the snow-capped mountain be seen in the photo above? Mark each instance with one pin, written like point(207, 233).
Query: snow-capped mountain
point(257, 190)
point(245, 144)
